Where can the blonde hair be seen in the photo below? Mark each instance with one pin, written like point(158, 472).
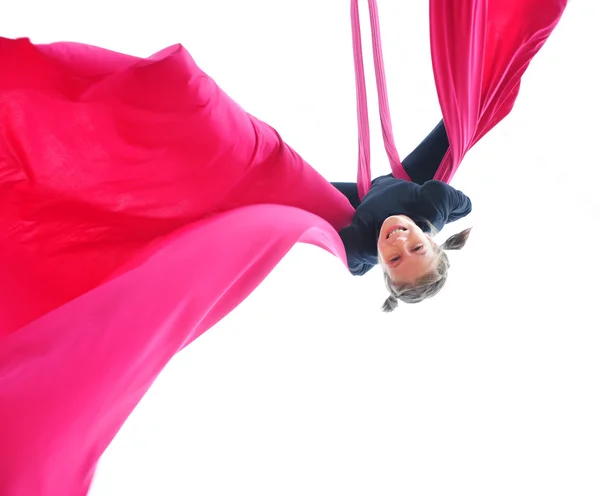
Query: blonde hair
point(430, 284)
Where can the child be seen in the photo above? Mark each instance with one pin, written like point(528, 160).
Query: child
point(395, 223)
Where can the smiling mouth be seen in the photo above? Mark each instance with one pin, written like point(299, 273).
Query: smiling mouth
point(394, 230)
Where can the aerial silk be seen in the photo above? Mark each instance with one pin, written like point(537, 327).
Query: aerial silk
point(480, 49)
point(139, 205)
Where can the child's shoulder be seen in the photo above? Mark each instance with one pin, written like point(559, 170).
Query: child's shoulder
point(435, 187)
point(435, 184)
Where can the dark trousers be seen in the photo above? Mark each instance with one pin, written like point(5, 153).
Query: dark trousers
point(421, 164)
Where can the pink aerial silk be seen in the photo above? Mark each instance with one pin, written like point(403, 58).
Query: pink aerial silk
point(364, 139)
point(139, 205)
point(480, 50)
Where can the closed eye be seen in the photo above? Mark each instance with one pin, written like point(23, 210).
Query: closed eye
point(418, 248)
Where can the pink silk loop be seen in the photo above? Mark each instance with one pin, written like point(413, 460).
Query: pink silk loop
point(121, 179)
point(364, 141)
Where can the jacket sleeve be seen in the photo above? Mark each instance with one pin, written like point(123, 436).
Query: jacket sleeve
point(451, 203)
point(359, 263)
point(461, 205)
point(350, 191)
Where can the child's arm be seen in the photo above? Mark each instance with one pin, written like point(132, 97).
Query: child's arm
point(451, 203)
point(359, 262)
point(461, 206)
point(423, 162)
point(350, 191)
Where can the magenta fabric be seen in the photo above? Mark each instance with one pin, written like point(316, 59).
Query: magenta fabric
point(364, 138)
point(101, 153)
point(480, 50)
point(138, 206)
point(123, 182)
point(71, 378)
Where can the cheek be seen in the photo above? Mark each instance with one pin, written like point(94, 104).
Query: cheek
point(380, 256)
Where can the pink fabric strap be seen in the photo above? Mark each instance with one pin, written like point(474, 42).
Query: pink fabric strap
point(364, 140)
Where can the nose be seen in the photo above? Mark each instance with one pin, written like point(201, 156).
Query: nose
point(400, 238)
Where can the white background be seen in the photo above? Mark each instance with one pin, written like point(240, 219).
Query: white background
point(491, 388)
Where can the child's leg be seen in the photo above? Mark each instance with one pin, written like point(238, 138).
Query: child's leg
point(423, 162)
point(350, 191)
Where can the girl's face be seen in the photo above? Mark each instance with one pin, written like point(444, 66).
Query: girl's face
point(405, 251)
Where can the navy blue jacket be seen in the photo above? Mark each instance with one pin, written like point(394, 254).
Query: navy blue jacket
point(432, 201)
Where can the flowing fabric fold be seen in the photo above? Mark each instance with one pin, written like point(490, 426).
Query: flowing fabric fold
point(70, 379)
point(480, 51)
point(102, 153)
point(138, 206)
